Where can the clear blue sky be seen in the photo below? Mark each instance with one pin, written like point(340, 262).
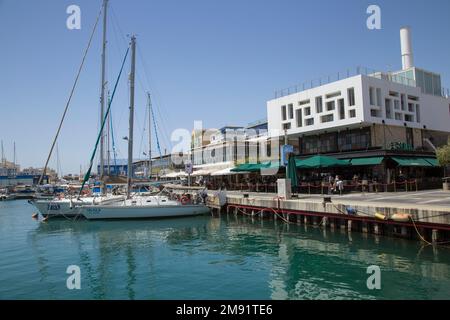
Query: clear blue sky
point(216, 61)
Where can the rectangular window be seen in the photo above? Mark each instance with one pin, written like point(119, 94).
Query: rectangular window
point(417, 113)
point(388, 106)
point(331, 105)
point(333, 95)
point(411, 107)
point(283, 113)
point(393, 93)
point(409, 118)
point(286, 126)
point(302, 103)
point(402, 99)
point(351, 97)
point(375, 113)
point(307, 111)
point(372, 96)
point(379, 102)
point(327, 118)
point(354, 139)
point(341, 109)
point(398, 116)
point(410, 137)
point(291, 111)
point(299, 117)
point(309, 122)
point(396, 105)
point(352, 113)
point(319, 104)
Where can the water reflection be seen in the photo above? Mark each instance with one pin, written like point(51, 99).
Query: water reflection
point(206, 257)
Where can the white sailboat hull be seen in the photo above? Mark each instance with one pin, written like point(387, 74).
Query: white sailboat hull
point(105, 212)
point(69, 208)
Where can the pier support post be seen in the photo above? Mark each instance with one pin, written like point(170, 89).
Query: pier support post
point(349, 225)
point(324, 222)
point(305, 220)
point(332, 223)
point(376, 228)
point(343, 224)
point(404, 231)
point(434, 236)
point(364, 227)
point(299, 220)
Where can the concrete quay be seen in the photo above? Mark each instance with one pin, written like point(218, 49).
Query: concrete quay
point(428, 212)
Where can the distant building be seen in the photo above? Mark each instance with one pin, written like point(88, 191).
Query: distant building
point(118, 167)
point(229, 146)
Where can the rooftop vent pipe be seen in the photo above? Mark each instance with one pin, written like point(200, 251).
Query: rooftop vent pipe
point(406, 46)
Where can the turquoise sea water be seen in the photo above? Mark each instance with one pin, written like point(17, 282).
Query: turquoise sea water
point(208, 258)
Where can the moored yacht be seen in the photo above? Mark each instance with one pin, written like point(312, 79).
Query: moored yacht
point(146, 207)
point(70, 207)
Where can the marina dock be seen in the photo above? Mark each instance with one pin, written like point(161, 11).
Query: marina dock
point(428, 212)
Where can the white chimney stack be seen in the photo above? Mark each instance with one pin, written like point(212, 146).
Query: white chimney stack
point(405, 42)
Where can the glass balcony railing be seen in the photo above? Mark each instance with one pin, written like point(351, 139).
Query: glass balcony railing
point(352, 72)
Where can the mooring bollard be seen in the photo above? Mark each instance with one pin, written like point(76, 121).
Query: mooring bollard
point(349, 225)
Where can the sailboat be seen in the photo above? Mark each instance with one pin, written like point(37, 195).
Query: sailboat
point(68, 206)
point(140, 207)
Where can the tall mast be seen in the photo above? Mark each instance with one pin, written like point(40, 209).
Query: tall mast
point(58, 163)
point(3, 155)
point(103, 85)
point(149, 135)
point(130, 133)
point(14, 156)
point(108, 150)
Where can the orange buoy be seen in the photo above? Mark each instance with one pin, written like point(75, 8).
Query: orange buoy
point(401, 217)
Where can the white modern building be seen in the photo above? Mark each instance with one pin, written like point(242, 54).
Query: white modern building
point(386, 123)
point(364, 110)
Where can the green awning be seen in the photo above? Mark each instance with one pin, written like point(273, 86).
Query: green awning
point(367, 161)
point(245, 167)
point(320, 162)
point(433, 161)
point(255, 167)
point(412, 162)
